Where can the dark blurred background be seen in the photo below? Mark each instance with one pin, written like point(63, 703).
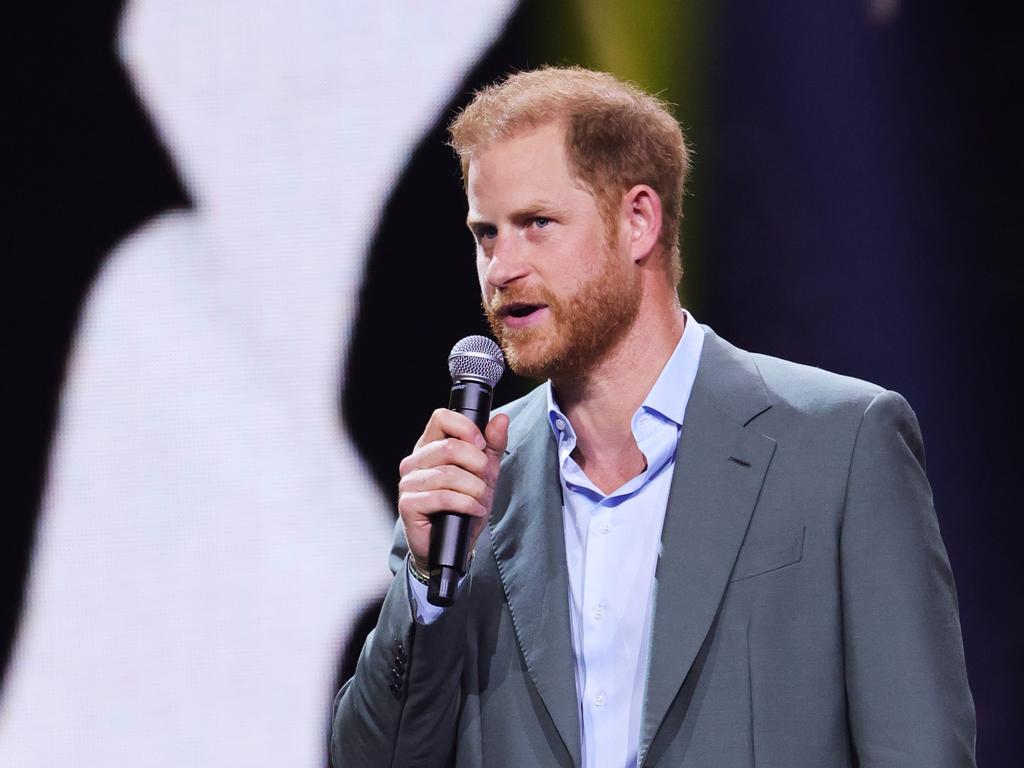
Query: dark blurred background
point(855, 205)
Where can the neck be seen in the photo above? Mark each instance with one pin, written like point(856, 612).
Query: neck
point(601, 401)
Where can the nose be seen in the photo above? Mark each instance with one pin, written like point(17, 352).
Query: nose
point(507, 261)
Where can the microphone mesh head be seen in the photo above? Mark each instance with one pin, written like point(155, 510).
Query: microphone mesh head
point(476, 356)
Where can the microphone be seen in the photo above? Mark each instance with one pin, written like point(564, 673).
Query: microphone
point(475, 365)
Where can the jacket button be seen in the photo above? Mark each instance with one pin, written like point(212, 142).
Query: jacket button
point(396, 690)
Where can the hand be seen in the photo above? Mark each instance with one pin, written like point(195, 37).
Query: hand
point(452, 468)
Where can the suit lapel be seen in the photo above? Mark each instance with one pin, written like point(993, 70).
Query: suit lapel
point(529, 546)
point(720, 467)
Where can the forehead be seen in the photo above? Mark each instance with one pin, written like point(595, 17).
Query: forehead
point(529, 164)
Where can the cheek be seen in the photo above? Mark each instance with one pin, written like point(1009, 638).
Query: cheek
point(481, 278)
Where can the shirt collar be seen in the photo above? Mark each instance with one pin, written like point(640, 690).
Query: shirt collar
point(671, 391)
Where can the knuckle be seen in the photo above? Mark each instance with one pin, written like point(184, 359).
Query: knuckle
point(460, 502)
point(480, 490)
point(451, 450)
point(417, 505)
point(435, 478)
point(453, 500)
point(472, 506)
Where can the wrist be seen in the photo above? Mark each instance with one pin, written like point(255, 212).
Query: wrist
point(420, 574)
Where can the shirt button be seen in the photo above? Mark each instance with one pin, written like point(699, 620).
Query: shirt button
point(559, 424)
point(600, 699)
point(606, 528)
point(598, 613)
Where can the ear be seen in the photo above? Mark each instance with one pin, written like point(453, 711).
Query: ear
point(641, 219)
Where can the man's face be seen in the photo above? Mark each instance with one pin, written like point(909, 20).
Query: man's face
point(558, 291)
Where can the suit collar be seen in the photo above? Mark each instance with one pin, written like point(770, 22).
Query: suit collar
point(728, 379)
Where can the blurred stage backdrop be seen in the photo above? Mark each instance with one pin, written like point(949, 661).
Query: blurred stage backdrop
point(239, 264)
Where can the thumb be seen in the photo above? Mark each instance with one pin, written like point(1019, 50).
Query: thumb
point(496, 435)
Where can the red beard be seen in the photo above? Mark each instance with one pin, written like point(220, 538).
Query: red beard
point(582, 329)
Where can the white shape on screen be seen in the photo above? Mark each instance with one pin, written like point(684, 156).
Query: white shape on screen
point(208, 532)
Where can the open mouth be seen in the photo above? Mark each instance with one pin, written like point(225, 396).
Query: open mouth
point(521, 313)
point(521, 310)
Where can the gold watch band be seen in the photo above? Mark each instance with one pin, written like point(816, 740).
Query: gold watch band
point(415, 572)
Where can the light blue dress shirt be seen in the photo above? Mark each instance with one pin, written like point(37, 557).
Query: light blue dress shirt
point(612, 545)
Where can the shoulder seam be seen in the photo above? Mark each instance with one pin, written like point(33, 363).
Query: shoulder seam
point(853, 452)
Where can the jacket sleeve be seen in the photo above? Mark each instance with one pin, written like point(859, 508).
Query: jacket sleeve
point(908, 699)
point(401, 707)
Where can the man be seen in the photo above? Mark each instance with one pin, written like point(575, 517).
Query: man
point(685, 554)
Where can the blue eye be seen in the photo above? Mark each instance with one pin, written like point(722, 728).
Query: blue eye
point(541, 221)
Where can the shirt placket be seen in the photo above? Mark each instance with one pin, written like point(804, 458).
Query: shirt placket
point(600, 618)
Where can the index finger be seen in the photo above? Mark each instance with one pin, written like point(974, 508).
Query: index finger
point(446, 423)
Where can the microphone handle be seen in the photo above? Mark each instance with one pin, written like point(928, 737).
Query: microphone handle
point(448, 557)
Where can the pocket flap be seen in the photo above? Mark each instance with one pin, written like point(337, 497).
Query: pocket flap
point(769, 553)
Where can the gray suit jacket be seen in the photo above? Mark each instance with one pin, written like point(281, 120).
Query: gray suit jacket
point(804, 609)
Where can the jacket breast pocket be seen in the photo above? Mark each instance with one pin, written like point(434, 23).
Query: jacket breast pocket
point(767, 553)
